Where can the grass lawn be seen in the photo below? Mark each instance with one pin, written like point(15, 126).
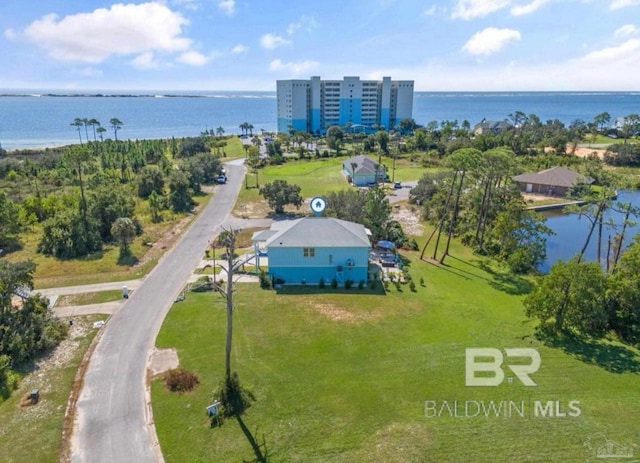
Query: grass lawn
point(89, 298)
point(314, 177)
point(234, 149)
point(32, 434)
point(344, 376)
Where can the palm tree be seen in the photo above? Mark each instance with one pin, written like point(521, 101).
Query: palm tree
point(155, 204)
point(93, 123)
point(85, 121)
point(116, 124)
point(256, 141)
point(77, 123)
point(250, 128)
point(101, 130)
point(220, 132)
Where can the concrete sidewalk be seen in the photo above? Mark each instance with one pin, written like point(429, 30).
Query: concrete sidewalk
point(108, 308)
point(94, 288)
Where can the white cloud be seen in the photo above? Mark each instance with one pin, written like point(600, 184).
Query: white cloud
point(469, 9)
point(120, 30)
point(271, 41)
point(193, 58)
point(227, 6)
point(192, 5)
point(146, 60)
point(430, 11)
point(617, 4)
point(307, 23)
point(89, 72)
point(625, 31)
point(298, 67)
point(10, 34)
point(626, 51)
point(490, 40)
point(520, 10)
point(239, 49)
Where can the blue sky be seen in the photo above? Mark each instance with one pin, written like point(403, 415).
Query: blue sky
point(461, 45)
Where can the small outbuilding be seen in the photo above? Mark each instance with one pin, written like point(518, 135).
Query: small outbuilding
point(362, 171)
point(306, 250)
point(555, 181)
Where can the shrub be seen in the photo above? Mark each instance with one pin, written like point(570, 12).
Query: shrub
point(202, 284)
point(321, 283)
point(421, 281)
point(334, 283)
point(412, 286)
point(265, 279)
point(361, 284)
point(348, 284)
point(180, 380)
point(374, 285)
point(398, 285)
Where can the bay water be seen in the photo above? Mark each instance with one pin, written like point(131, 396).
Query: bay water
point(42, 118)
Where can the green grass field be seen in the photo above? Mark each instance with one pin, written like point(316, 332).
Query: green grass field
point(99, 297)
point(344, 377)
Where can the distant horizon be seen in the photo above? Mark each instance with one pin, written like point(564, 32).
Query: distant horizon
point(28, 91)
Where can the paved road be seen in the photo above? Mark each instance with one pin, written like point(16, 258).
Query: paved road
point(112, 417)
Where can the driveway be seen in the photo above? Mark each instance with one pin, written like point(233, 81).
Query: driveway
point(401, 193)
point(113, 416)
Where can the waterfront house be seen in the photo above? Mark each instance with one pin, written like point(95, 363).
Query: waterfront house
point(362, 171)
point(555, 181)
point(494, 127)
point(306, 250)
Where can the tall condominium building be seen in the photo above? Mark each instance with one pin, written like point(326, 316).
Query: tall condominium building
point(314, 105)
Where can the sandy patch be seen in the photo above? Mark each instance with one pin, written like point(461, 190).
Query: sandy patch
point(162, 360)
point(399, 442)
point(338, 314)
point(45, 371)
point(583, 152)
point(409, 219)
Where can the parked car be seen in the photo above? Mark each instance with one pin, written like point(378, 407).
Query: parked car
point(221, 179)
point(397, 185)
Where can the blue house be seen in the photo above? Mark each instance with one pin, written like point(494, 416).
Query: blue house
point(303, 251)
point(362, 171)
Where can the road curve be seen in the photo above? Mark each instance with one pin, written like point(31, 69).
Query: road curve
point(112, 417)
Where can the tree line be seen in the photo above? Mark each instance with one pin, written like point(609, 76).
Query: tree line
point(86, 195)
point(27, 324)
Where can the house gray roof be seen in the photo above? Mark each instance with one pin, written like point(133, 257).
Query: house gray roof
point(555, 176)
point(364, 165)
point(318, 232)
point(492, 126)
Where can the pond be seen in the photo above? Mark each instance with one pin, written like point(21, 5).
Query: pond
point(572, 230)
